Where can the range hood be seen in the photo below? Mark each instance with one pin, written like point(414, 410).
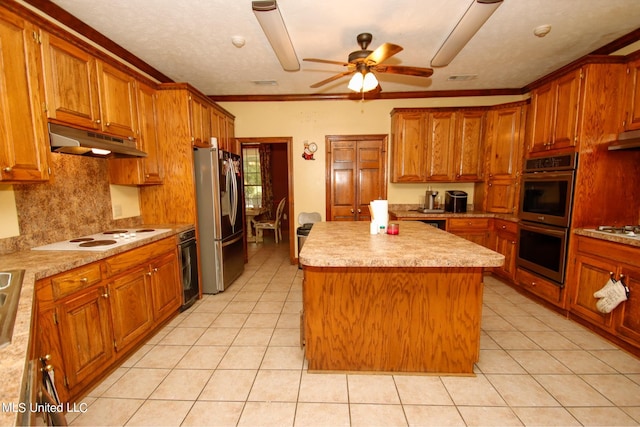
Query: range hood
point(69, 140)
point(629, 140)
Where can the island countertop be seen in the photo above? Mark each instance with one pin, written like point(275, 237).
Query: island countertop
point(349, 244)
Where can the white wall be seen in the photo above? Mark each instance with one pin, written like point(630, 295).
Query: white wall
point(311, 121)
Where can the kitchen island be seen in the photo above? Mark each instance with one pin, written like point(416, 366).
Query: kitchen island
point(410, 302)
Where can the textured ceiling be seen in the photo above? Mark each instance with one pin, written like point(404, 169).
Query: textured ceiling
point(190, 40)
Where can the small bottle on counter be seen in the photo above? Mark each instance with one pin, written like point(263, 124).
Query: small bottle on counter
point(383, 229)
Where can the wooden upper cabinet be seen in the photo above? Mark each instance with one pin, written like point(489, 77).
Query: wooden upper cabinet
point(505, 141)
point(554, 113)
point(71, 83)
point(409, 147)
point(24, 144)
point(468, 149)
point(437, 145)
point(118, 103)
point(632, 96)
point(441, 134)
point(200, 122)
point(148, 170)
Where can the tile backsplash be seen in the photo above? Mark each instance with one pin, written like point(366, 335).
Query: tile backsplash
point(76, 201)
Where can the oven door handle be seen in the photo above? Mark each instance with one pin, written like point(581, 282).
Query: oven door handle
point(544, 229)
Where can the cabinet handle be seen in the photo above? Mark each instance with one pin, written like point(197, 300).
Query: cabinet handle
point(8, 169)
point(45, 358)
point(533, 284)
point(504, 226)
point(47, 368)
point(155, 270)
point(107, 124)
point(148, 273)
point(359, 211)
point(352, 211)
point(84, 280)
point(105, 294)
point(98, 121)
point(490, 185)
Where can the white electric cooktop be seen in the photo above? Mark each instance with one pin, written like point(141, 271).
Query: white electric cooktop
point(102, 241)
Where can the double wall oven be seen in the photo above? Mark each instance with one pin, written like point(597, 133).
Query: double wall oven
point(545, 213)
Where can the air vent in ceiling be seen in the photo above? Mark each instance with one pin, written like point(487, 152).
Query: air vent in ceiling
point(462, 77)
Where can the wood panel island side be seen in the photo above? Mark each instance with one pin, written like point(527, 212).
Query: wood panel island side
point(410, 302)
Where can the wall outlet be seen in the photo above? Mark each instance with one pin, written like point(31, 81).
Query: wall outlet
point(117, 211)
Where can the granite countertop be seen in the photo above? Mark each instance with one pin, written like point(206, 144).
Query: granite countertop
point(410, 212)
point(615, 238)
point(38, 265)
point(349, 244)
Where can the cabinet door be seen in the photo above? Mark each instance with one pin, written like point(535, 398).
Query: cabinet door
point(632, 96)
point(47, 346)
point(200, 122)
point(506, 240)
point(71, 82)
point(502, 196)
point(542, 110)
point(131, 309)
point(590, 275)
point(409, 148)
point(166, 285)
point(628, 322)
point(153, 170)
point(342, 169)
point(24, 144)
point(505, 142)
point(468, 156)
point(86, 333)
point(232, 145)
point(440, 145)
point(566, 110)
point(118, 103)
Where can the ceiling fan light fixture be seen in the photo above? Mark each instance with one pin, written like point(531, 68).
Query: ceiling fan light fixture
point(477, 14)
point(355, 84)
point(270, 20)
point(370, 82)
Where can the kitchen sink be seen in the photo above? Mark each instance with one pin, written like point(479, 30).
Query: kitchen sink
point(10, 286)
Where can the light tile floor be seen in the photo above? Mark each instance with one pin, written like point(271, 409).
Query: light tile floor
point(234, 359)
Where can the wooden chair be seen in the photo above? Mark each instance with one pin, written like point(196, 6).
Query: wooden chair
point(271, 224)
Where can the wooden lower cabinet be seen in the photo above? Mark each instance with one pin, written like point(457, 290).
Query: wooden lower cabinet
point(595, 261)
point(91, 317)
point(130, 301)
point(164, 272)
point(506, 239)
point(86, 335)
point(539, 287)
point(476, 230)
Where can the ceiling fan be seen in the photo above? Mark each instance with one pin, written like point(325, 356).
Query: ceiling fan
point(364, 63)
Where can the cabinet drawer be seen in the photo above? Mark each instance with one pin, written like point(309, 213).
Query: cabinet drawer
point(76, 279)
point(468, 223)
point(127, 260)
point(539, 287)
point(506, 227)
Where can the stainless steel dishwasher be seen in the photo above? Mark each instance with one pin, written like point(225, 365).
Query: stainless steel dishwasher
point(188, 249)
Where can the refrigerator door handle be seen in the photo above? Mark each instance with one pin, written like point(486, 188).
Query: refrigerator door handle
point(234, 193)
point(230, 242)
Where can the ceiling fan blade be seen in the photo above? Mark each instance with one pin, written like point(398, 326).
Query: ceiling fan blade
point(382, 53)
point(326, 61)
point(332, 78)
point(399, 69)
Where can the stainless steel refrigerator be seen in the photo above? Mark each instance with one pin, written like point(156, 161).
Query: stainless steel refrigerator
point(218, 176)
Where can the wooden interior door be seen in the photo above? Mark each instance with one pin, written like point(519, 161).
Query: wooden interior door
point(356, 174)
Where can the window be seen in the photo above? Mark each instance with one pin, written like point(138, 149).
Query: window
point(252, 177)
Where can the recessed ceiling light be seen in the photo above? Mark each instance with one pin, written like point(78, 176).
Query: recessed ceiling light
point(265, 82)
point(542, 30)
point(462, 77)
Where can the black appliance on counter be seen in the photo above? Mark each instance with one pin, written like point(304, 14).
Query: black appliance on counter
point(545, 211)
point(455, 201)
